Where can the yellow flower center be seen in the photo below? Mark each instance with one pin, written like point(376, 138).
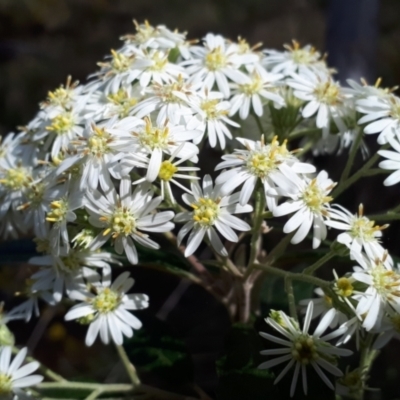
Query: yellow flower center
point(327, 92)
point(344, 287)
point(216, 59)
point(315, 198)
point(15, 178)
point(120, 62)
point(71, 262)
point(154, 137)
point(61, 124)
point(167, 170)
point(58, 211)
point(144, 31)
point(166, 91)
point(261, 162)
point(252, 88)
point(205, 211)
point(122, 222)
point(123, 101)
point(5, 384)
point(106, 301)
point(160, 61)
point(302, 55)
point(98, 142)
point(362, 227)
point(386, 282)
point(211, 110)
point(394, 107)
point(304, 350)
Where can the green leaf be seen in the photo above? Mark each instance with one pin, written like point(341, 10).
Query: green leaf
point(239, 377)
point(158, 353)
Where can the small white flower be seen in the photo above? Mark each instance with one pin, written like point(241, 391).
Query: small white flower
point(390, 329)
point(211, 115)
point(13, 377)
point(382, 293)
point(211, 210)
point(302, 349)
point(309, 201)
point(123, 217)
point(251, 94)
point(105, 306)
point(361, 233)
point(392, 162)
point(294, 59)
point(259, 161)
point(382, 115)
point(217, 62)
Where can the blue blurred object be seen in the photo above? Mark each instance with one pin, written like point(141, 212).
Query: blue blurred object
point(352, 34)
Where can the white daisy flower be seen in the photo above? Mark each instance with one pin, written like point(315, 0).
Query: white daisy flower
point(392, 162)
point(382, 293)
point(389, 329)
point(114, 74)
point(169, 99)
point(216, 62)
point(170, 171)
point(259, 161)
point(158, 140)
point(360, 232)
point(153, 66)
point(63, 272)
point(211, 211)
point(309, 201)
point(158, 37)
point(382, 115)
point(123, 217)
point(105, 306)
point(321, 306)
point(250, 94)
point(13, 377)
point(211, 115)
point(60, 214)
point(324, 97)
point(98, 151)
point(294, 59)
point(302, 349)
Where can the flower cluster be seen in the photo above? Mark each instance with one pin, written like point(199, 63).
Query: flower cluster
point(108, 167)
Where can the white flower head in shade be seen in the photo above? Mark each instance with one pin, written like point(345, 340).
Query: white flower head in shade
point(156, 140)
point(309, 201)
point(13, 377)
point(170, 171)
point(294, 59)
point(321, 306)
point(258, 161)
point(382, 293)
point(324, 97)
point(211, 115)
point(105, 306)
point(211, 211)
point(382, 115)
point(390, 329)
point(217, 62)
point(392, 162)
point(258, 88)
point(60, 214)
point(302, 349)
point(124, 217)
point(360, 232)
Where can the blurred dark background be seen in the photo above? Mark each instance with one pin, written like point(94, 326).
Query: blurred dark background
point(43, 41)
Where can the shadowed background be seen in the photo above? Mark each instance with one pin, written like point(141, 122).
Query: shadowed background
point(43, 41)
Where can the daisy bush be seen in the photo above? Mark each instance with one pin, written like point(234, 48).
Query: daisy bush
point(121, 166)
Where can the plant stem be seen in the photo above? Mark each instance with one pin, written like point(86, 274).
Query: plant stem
point(94, 395)
point(105, 388)
point(291, 299)
point(319, 263)
point(303, 132)
point(294, 276)
point(356, 176)
point(130, 369)
point(257, 222)
point(259, 125)
point(352, 155)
